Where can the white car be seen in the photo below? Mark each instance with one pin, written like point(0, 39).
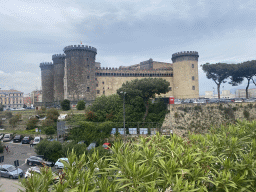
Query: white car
point(59, 164)
point(32, 170)
point(36, 140)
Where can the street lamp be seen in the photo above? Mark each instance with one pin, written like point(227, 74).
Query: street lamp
point(124, 111)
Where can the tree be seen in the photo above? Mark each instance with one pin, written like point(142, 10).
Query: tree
point(32, 123)
point(145, 88)
point(245, 70)
point(80, 105)
point(218, 73)
point(1, 107)
point(52, 114)
point(65, 105)
point(14, 120)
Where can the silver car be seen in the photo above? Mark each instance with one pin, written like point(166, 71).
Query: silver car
point(10, 171)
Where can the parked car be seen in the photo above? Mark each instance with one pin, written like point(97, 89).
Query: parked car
point(10, 171)
point(177, 101)
point(249, 100)
point(59, 164)
point(238, 100)
point(37, 140)
point(1, 136)
point(32, 170)
point(34, 160)
point(7, 137)
point(25, 140)
point(92, 146)
point(17, 138)
point(106, 145)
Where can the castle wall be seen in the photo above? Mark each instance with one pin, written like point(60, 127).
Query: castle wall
point(185, 69)
point(80, 72)
point(47, 79)
point(108, 81)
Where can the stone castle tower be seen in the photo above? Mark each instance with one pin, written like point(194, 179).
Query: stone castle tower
point(79, 80)
point(58, 68)
point(47, 78)
point(185, 70)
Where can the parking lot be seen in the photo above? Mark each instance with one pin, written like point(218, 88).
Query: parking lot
point(17, 151)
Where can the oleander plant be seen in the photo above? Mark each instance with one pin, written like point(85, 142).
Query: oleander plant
point(222, 160)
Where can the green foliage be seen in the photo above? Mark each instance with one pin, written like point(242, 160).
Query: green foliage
point(223, 160)
point(52, 114)
point(50, 150)
point(80, 105)
point(145, 88)
point(90, 132)
point(50, 130)
point(48, 123)
point(14, 120)
point(8, 114)
point(246, 114)
point(32, 123)
point(1, 107)
point(91, 116)
point(65, 105)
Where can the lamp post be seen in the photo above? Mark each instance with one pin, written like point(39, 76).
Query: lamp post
point(124, 111)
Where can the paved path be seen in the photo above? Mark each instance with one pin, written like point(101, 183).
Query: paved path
point(17, 151)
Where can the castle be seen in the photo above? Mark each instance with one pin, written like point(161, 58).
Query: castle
point(76, 76)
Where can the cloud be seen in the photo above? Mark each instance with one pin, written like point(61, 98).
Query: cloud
point(21, 81)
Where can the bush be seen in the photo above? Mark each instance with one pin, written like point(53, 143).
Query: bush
point(65, 105)
point(8, 114)
point(52, 114)
point(50, 130)
point(1, 107)
point(1, 147)
point(32, 123)
point(246, 114)
point(80, 105)
point(14, 120)
point(51, 150)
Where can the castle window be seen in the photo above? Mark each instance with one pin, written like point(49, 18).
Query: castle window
point(87, 59)
point(103, 87)
point(193, 78)
point(193, 66)
point(193, 88)
point(104, 92)
point(88, 89)
point(170, 88)
point(103, 82)
point(98, 91)
point(88, 77)
point(95, 79)
point(97, 85)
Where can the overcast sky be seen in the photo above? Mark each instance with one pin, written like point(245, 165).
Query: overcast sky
point(124, 32)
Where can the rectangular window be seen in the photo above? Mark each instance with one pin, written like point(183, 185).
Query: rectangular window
point(170, 88)
point(98, 91)
point(193, 88)
point(104, 92)
point(88, 77)
point(193, 78)
point(193, 66)
point(96, 79)
point(97, 85)
point(88, 89)
point(103, 82)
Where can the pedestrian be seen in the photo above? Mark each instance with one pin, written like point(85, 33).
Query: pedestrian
point(7, 148)
point(31, 143)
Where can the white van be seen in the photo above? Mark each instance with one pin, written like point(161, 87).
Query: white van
point(37, 140)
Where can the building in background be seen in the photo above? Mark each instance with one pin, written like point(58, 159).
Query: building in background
point(27, 100)
point(241, 93)
point(11, 98)
point(75, 75)
point(225, 94)
point(36, 96)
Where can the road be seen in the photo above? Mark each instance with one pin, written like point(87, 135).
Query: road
point(17, 151)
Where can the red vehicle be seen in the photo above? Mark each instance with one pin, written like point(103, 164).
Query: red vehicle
point(106, 145)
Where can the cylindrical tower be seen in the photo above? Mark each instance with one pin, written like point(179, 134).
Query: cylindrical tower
point(79, 71)
point(58, 65)
point(47, 81)
point(185, 74)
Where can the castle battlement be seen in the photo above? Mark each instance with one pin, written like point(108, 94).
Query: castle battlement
point(58, 56)
point(80, 47)
point(46, 65)
point(120, 69)
point(183, 54)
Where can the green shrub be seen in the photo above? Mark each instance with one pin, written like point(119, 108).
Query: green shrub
point(32, 123)
point(1, 147)
point(80, 105)
point(8, 114)
point(52, 114)
point(65, 105)
point(50, 130)
point(246, 114)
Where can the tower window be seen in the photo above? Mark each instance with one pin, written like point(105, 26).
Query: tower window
point(88, 77)
point(104, 92)
point(98, 91)
point(87, 59)
point(103, 82)
point(95, 79)
point(88, 89)
point(193, 88)
point(193, 78)
point(170, 88)
point(97, 85)
point(193, 66)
